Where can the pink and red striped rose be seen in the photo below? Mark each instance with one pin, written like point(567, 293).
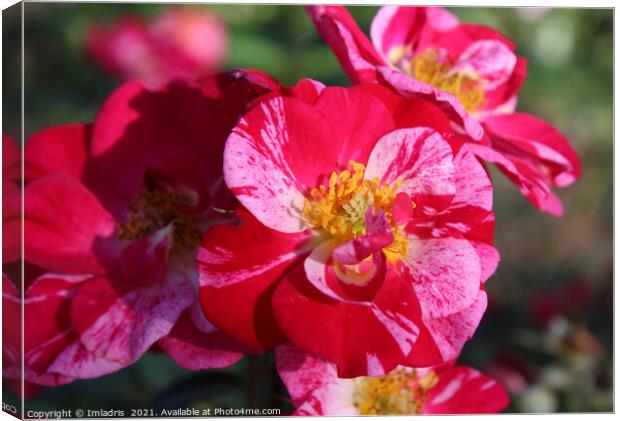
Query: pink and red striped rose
point(473, 73)
point(365, 282)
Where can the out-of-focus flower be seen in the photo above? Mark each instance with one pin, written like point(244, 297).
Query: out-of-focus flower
point(362, 240)
point(48, 331)
point(447, 389)
point(11, 331)
point(11, 252)
point(560, 363)
point(472, 72)
point(12, 277)
point(512, 371)
point(567, 299)
point(12, 335)
point(11, 200)
point(116, 210)
point(180, 42)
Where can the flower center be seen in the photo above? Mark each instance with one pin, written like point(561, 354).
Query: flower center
point(430, 67)
point(339, 207)
point(155, 207)
point(399, 392)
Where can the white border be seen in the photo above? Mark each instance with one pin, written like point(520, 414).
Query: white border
point(474, 3)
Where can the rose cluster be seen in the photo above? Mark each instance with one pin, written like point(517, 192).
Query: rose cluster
point(348, 228)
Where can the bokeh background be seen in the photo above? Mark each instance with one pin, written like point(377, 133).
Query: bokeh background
point(547, 334)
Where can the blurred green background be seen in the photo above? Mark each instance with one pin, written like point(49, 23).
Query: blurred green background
point(548, 331)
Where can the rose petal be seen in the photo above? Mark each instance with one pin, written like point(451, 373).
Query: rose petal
point(503, 99)
point(58, 150)
point(481, 238)
point(442, 339)
point(421, 159)
point(119, 320)
point(533, 139)
point(396, 27)
point(352, 48)
point(283, 147)
point(532, 183)
point(492, 60)
point(77, 362)
point(195, 349)
point(11, 324)
point(444, 272)
point(66, 229)
point(313, 383)
point(329, 275)
point(364, 339)
point(47, 326)
point(145, 260)
point(238, 268)
point(463, 390)
point(137, 128)
point(11, 222)
point(411, 88)
point(472, 203)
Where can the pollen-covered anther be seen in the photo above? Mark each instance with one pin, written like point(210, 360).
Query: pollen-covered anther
point(155, 208)
point(402, 391)
point(339, 207)
point(430, 67)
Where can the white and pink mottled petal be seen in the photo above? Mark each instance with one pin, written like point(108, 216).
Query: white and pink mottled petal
point(192, 348)
point(473, 185)
point(440, 19)
point(444, 272)
point(77, 362)
point(315, 266)
point(313, 383)
point(492, 60)
point(489, 258)
point(303, 373)
point(121, 324)
point(258, 171)
point(421, 159)
point(450, 333)
point(381, 24)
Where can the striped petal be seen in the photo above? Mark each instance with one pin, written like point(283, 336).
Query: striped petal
point(441, 339)
point(313, 383)
point(284, 146)
point(444, 272)
point(419, 158)
point(119, 320)
point(464, 390)
point(192, 346)
point(364, 339)
point(239, 267)
point(351, 46)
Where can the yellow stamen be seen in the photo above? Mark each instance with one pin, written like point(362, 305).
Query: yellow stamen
point(396, 54)
point(399, 392)
point(338, 209)
point(428, 67)
point(155, 208)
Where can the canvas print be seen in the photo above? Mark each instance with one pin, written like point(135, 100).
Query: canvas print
point(266, 210)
